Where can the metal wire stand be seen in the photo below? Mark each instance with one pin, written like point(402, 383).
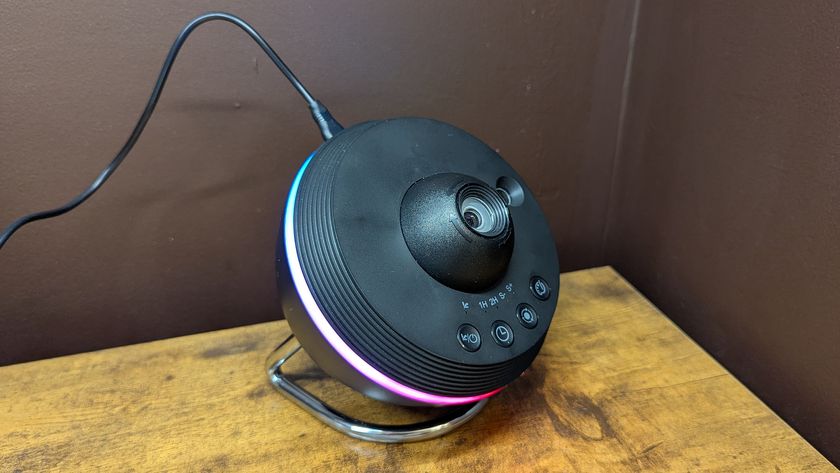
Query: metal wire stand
point(451, 419)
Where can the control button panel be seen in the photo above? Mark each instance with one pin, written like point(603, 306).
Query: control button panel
point(502, 334)
point(540, 288)
point(469, 338)
point(527, 315)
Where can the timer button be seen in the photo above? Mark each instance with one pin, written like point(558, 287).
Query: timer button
point(540, 288)
point(502, 334)
point(469, 338)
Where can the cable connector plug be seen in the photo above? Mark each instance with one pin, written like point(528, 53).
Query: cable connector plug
point(328, 125)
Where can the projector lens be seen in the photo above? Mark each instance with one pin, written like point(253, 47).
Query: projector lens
point(483, 210)
point(472, 218)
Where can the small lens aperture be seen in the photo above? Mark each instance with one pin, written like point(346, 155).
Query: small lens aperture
point(472, 218)
point(483, 210)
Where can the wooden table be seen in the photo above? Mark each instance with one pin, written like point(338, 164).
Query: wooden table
point(617, 387)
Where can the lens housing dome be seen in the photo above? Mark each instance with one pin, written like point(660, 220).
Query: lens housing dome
point(458, 230)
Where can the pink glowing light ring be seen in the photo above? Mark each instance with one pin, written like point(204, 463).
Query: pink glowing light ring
point(329, 333)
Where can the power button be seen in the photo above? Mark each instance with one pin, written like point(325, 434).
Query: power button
point(469, 338)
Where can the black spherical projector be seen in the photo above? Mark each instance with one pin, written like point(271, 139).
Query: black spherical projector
point(416, 266)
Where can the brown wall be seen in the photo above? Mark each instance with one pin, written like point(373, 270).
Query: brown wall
point(727, 212)
point(182, 238)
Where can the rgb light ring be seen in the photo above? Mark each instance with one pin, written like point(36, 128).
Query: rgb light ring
point(328, 332)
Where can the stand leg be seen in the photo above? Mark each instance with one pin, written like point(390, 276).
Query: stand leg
point(451, 419)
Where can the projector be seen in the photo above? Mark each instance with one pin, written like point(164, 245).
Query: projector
point(415, 265)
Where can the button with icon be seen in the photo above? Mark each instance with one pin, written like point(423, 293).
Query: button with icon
point(540, 288)
point(527, 315)
point(502, 334)
point(469, 338)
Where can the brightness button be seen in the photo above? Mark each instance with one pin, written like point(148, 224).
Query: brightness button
point(527, 315)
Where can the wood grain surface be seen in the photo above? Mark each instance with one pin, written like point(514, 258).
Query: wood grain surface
point(617, 387)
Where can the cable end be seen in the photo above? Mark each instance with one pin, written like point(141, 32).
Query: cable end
point(328, 125)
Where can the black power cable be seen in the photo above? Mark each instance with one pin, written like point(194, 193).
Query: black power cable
point(325, 121)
